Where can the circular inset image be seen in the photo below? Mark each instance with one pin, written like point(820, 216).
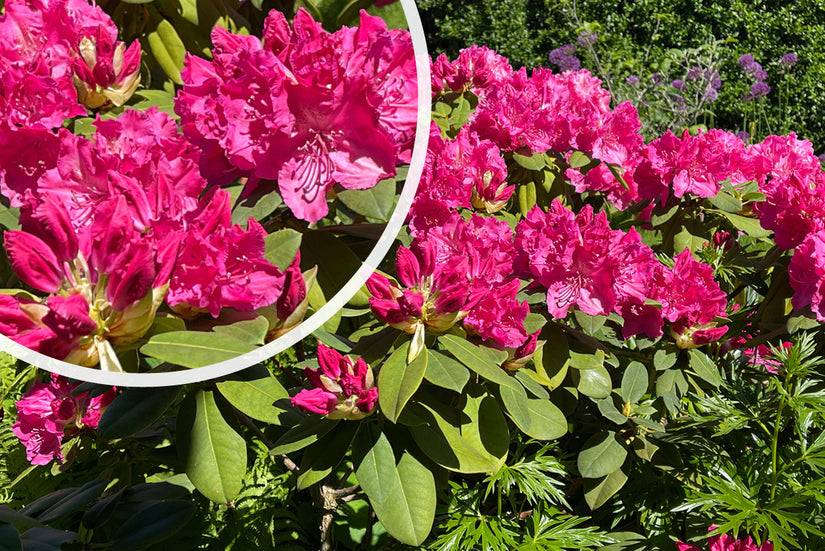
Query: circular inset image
point(179, 207)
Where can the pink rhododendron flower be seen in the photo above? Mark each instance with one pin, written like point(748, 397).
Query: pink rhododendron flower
point(499, 318)
point(584, 263)
point(49, 412)
point(308, 109)
point(435, 295)
point(691, 300)
point(106, 73)
point(807, 274)
point(342, 389)
point(793, 208)
point(724, 542)
point(475, 69)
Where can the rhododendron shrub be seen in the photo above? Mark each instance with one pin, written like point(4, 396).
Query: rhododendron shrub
point(583, 340)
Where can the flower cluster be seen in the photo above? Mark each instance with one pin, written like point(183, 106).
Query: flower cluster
point(752, 68)
point(58, 57)
point(724, 542)
point(50, 412)
point(342, 390)
point(304, 110)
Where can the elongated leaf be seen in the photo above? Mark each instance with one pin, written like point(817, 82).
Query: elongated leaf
point(634, 382)
point(303, 434)
point(445, 372)
point(750, 226)
point(135, 409)
point(212, 453)
point(403, 495)
point(256, 398)
point(398, 381)
point(102, 511)
point(593, 382)
point(281, 247)
point(153, 524)
point(548, 421)
point(601, 455)
point(471, 439)
point(10, 516)
point(256, 206)
point(9, 538)
point(248, 331)
point(323, 456)
point(76, 501)
point(598, 491)
point(195, 348)
point(167, 49)
point(375, 202)
point(45, 538)
point(704, 367)
point(515, 406)
point(477, 360)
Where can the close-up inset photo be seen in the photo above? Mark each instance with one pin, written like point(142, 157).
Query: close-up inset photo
point(182, 184)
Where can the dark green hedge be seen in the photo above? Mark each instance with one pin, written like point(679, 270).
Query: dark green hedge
point(527, 30)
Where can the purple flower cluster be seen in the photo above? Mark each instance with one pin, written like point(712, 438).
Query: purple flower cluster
point(563, 58)
point(788, 60)
point(587, 38)
point(759, 88)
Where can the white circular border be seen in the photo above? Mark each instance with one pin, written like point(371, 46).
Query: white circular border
point(336, 303)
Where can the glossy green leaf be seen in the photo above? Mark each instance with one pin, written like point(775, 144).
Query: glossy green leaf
point(247, 331)
point(153, 524)
point(402, 495)
point(446, 372)
point(533, 162)
point(593, 382)
point(324, 455)
point(257, 398)
point(634, 382)
point(750, 226)
point(256, 206)
point(547, 420)
point(478, 360)
point(135, 409)
point(598, 491)
point(663, 359)
point(703, 367)
point(303, 434)
point(589, 324)
point(195, 348)
point(100, 512)
point(472, 438)
point(686, 240)
point(601, 454)
point(168, 50)
point(587, 361)
point(281, 247)
point(726, 202)
point(375, 202)
point(515, 406)
point(213, 454)
point(398, 380)
point(78, 500)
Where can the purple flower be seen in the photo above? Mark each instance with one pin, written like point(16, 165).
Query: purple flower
point(746, 61)
point(587, 38)
point(657, 79)
point(632, 80)
point(679, 84)
point(760, 89)
point(568, 49)
point(693, 73)
point(760, 75)
point(788, 60)
point(711, 94)
point(563, 57)
point(822, 158)
point(744, 136)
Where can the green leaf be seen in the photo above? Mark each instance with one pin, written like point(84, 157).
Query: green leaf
point(601, 454)
point(593, 382)
point(281, 247)
point(153, 524)
point(477, 360)
point(375, 202)
point(398, 381)
point(548, 422)
point(135, 409)
point(704, 368)
point(598, 491)
point(552, 359)
point(644, 448)
point(10, 217)
point(168, 50)
point(534, 162)
point(472, 438)
point(102, 511)
point(195, 348)
point(336, 264)
point(307, 432)
point(78, 500)
point(634, 382)
point(663, 359)
point(587, 361)
point(45, 538)
point(10, 516)
point(212, 453)
point(9, 538)
point(726, 202)
point(515, 406)
point(446, 372)
point(256, 206)
point(257, 398)
point(686, 240)
point(323, 456)
point(750, 226)
point(589, 324)
point(611, 410)
point(534, 322)
point(403, 495)
point(247, 331)
point(161, 99)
